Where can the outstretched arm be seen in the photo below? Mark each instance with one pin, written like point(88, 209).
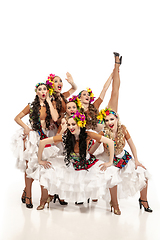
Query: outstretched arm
point(110, 143)
point(70, 80)
point(94, 148)
point(134, 152)
point(42, 145)
point(105, 87)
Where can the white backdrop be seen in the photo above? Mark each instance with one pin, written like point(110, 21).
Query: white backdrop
point(43, 37)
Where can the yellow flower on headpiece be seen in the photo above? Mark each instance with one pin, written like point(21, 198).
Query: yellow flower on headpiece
point(100, 117)
point(91, 95)
point(79, 102)
point(79, 123)
point(89, 90)
point(103, 112)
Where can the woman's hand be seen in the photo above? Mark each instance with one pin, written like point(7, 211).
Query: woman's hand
point(105, 165)
point(45, 164)
point(69, 78)
point(26, 131)
point(48, 98)
point(138, 164)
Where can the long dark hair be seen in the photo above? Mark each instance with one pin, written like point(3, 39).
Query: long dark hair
point(91, 119)
point(69, 143)
point(34, 116)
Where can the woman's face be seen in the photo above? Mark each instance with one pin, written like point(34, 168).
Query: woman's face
point(58, 84)
point(71, 108)
point(111, 122)
point(42, 92)
point(85, 98)
point(73, 127)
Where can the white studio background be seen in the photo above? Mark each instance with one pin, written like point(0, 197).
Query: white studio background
point(43, 37)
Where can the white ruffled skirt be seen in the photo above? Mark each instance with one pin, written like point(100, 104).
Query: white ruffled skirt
point(31, 150)
point(73, 185)
point(132, 180)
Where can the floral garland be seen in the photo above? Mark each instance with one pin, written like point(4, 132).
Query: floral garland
point(91, 95)
point(80, 119)
point(77, 101)
point(105, 112)
point(50, 83)
point(38, 84)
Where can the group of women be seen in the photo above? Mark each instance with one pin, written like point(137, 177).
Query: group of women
point(75, 151)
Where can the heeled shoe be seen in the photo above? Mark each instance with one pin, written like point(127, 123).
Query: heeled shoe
point(116, 208)
point(43, 203)
point(62, 202)
point(49, 199)
point(29, 205)
point(117, 55)
point(23, 198)
point(148, 209)
point(80, 203)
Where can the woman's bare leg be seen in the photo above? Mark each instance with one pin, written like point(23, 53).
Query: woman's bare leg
point(28, 187)
point(143, 195)
point(114, 200)
point(113, 102)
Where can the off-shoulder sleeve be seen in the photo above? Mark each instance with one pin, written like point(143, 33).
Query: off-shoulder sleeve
point(26, 110)
point(97, 103)
point(94, 135)
point(126, 133)
point(57, 138)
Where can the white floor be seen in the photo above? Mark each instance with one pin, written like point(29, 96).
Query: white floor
point(90, 221)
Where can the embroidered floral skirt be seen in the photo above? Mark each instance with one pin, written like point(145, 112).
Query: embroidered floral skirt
point(132, 180)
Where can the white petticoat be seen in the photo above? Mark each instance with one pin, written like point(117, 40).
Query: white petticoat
point(132, 180)
point(30, 154)
point(73, 185)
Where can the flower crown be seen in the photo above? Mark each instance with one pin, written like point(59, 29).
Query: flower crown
point(90, 94)
point(80, 119)
point(38, 84)
point(50, 83)
point(77, 101)
point(105, 112)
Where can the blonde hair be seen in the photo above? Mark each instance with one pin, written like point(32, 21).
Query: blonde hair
point(120, 143)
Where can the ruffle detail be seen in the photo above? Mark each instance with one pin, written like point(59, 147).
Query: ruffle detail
point(132, 180)
point(73, 185)
point(31, 152)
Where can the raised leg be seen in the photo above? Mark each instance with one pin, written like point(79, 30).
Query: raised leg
point(113, 102)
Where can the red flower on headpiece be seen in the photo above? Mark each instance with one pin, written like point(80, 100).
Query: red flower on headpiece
point(107, 112)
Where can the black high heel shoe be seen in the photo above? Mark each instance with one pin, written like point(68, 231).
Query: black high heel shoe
point(141, 204)
point(23, 198)
point(80, 203)
point(29, 205)
point(120, 59)
point(62, 202)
